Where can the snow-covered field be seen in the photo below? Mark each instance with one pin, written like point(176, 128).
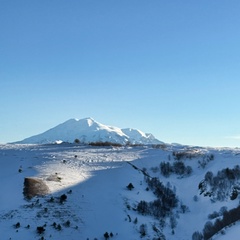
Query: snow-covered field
point(94, 179)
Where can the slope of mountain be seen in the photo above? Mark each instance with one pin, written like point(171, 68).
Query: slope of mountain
point(88, 130)
point(99, 202)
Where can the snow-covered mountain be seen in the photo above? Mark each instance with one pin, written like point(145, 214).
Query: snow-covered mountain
point(88, 130)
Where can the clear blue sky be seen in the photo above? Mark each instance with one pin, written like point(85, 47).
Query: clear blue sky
point(171, 68)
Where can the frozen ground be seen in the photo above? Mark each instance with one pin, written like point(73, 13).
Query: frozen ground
point(94, 180)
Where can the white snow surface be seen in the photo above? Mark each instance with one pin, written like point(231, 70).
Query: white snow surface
point(88, 130)
point(99, 200)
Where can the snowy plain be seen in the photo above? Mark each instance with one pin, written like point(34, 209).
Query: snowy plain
point(98, 201)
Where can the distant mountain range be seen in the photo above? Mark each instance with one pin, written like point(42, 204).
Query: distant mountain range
point(88, 130)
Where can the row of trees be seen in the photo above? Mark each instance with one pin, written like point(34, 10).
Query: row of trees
point(107, 143)
point(210, 228)
point(189, 154)
point(163, 205)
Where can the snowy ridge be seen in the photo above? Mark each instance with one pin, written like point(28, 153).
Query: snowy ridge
point(88, 130)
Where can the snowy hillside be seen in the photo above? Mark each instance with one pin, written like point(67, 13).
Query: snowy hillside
point(172, 193)
point(88, 130)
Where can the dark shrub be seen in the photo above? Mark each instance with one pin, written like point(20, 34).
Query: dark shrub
point(106, 235)
point(63, 198)
point(17, 225)
point(77, 141)
point(40, 230)
point(130, 186)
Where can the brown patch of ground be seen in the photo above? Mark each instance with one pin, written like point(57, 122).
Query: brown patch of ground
point(34, 187)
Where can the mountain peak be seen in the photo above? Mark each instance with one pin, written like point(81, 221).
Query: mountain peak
point(88, 130)
point(89, 121)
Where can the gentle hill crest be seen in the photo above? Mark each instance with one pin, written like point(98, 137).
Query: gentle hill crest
point(88, 130)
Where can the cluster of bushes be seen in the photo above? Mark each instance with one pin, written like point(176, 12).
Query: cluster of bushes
point(57, 226)
point(225, 184)
point(160, 146)
point(185, 154)
point(163, 205)
point(206, 158)
point(210, 229)
point(178, 167)
point(107, 235)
